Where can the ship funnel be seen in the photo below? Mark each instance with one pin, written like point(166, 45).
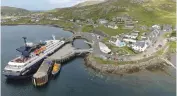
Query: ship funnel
point(53, 36)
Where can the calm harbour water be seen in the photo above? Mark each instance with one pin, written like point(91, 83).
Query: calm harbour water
point(75, 79)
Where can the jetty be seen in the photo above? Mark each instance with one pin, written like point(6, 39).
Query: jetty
point(41, 76)
point(65, 53)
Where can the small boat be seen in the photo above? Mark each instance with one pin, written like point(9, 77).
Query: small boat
point(56, 68)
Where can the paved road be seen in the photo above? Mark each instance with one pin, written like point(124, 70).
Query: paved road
point(97, 52)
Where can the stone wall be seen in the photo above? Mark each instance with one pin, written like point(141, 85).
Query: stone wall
point(124, 68)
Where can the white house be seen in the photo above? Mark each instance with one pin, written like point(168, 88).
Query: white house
point(129, 40)
point(102, 21)
point(156, 27)
point(140, 46)
point(112, 25)
point(54, 19)
point(131, 36)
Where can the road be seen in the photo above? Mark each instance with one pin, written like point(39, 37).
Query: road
point(149, 52)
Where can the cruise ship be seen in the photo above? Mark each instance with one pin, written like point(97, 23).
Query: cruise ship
point(31, 57)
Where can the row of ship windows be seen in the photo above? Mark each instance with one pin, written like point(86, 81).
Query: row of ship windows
point(36, 58)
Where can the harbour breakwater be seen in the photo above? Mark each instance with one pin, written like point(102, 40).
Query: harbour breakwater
point(151, 64)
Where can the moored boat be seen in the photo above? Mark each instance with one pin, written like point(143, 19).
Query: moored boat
point(56, 68)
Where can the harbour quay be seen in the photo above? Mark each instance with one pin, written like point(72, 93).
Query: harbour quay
point(67, 52)
point(63, 54)
point(41, 76)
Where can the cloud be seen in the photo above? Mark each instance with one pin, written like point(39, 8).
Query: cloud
point(64, 3)
point(41, 4)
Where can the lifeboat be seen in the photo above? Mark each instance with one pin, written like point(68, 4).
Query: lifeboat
point(56, 68)
point(38, 51)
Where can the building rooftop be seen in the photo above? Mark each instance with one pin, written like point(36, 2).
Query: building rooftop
point(140, 43)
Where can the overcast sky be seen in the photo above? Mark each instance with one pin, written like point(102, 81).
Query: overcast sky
point(40, 4)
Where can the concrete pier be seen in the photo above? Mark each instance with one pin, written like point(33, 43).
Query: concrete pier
point(67, 52)
point(41, 76)
point(63, 54)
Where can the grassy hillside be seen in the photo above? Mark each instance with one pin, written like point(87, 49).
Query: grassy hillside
point(148, 12)
point(5, 10)
point(89, 2)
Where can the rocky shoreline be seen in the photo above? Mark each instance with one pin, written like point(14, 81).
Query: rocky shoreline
point(152, 64)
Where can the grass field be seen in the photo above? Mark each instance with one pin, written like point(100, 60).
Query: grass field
point(112, 32)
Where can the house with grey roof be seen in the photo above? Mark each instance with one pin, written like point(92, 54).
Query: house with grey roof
point(140, 46)
point(129, 25)
point(153, 36)
point(167, 28)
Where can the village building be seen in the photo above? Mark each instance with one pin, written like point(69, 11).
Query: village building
point(71, 20)
point(14, 19)
point(156, 27)
point(153, 36)
point(117, 42)
point(167, 28)
point(102, 21)
point(131, 36)
point(129, 25)
point(128, 40)
point(112, 25)
point(54, 19)
point(173, 39)
point(77, 21)
point(140, 46)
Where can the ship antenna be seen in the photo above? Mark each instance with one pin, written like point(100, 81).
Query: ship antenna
point(25, 41)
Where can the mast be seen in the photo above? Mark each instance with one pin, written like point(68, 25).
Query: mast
point(25, 41)
point(25, 47)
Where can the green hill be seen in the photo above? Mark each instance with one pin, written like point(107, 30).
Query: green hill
point(89, 2)
point(8, 11)
point(145, 11)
